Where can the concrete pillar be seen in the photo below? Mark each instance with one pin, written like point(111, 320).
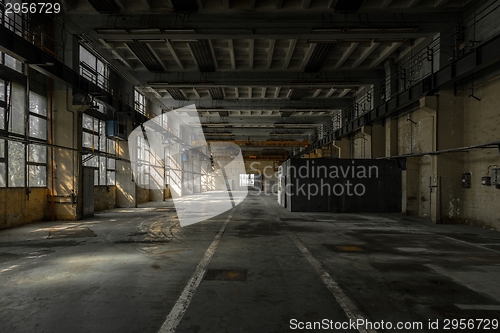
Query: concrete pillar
point(376, 138)
point(126, 192)
point(391, 137)
point(64, 170)
point(410, 187)
point(391, 80)
point(344, 147)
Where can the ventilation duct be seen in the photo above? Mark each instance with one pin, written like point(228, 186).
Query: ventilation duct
point(176, 94)
point(203, 55)
point(105, 6)
point(144, 54)
point(319, 57)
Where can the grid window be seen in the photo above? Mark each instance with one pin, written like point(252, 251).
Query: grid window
point(140, 102)
point(246, 179)
point(93, 69)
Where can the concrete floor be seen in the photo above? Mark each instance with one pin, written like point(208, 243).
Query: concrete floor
point(58, 277)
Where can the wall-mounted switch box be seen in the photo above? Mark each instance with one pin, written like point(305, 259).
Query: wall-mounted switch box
point(495, 176)
point(486, 181)
point(466, 178)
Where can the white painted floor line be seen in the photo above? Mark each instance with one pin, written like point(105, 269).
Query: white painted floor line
point(345, 302)
point(470, 244)
point(182, 304)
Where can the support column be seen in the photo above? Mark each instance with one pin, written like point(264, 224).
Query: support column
point(344, 147)
point(126, 195)
point(391, 137)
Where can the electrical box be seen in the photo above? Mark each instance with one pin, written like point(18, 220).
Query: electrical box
point(115, 130)
point(495, 177)
point(466, 179)
point(486, 181)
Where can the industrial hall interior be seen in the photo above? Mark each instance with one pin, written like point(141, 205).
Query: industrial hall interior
point(249, 166)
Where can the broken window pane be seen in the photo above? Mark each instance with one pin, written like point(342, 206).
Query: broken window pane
point(17, 109)
point(37, 176)
point(2, 175)
point(37, 154)
point(38, 104)
point(16, 164)
point(38, 127)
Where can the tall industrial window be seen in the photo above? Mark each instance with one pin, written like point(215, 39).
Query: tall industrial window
point(22, 164)
point(140, 102)
point(93, 69)
point(101, 150)
point(143, 160)
point(246, 179)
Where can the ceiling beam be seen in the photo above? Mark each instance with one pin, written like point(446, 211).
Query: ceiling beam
point(213, 54)
point(225, 4)
point(270, 53)
point(289, 53)
point(344, 92)
point(196, 93)
point(441, 3)
point(413, 3)
point(317, 92)
point(116, 53)
point(330, 92)
point(386, 3)
point(264, 91)
point(231, 54)
point(257, 104)
point(156, 56)
point(365, 54)
point(384, 54)
point(237, 92)
point(326, 79)
point(309, 52)
point(277, 92)
point(305, 4)
point(174, 55)
point(347, 53)
point(279, 4)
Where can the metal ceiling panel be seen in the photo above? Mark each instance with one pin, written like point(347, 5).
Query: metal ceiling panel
point(297, 94)
point(185, 6)
point(216, 93)
point(144, 54)
point(319, 57)
point(105, 6)
point(203, 55)
point(176, 94)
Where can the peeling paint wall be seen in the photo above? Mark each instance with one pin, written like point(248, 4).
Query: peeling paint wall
point(104, 197)
point(16, 208)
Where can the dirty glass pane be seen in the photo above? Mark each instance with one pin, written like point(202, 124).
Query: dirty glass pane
point(87, 122)
point(38, 127)
point(18, 106)
point(96, 177)
point(2, 118)
point(37, 154)
point(37, 176)
point(2, 90)
point(111, 147)
point(38, 104)
point(13, 63)
point(87, 57)
point(2, 175)
point(87, 140)
point(111, 163)
point(102, 170)
point(16, 164)
point(102, 136)
point(111, 178)
point(2, 148)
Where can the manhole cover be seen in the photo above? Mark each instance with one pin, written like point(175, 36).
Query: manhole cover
point(70, 233)
point(226, 275)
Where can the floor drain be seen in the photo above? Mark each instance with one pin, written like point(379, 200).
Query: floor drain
point(70, 233)
point(226, 275)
